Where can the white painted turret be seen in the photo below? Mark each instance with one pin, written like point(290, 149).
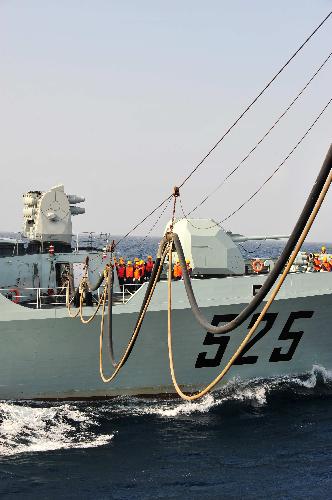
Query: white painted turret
point(47, 216)
point(210, 250)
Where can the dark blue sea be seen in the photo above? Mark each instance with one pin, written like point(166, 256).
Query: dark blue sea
point(259, 439)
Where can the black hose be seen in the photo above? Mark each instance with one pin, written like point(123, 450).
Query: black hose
point(154, 273)
point(273, 275)
point(100, 281)
point(95, 287)
point(110, 317)
point(157, 268)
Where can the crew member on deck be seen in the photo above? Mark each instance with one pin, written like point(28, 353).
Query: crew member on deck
point(177, 271)
point(137, 274)
point(326, 266)
point(129, 273)
point(189, 268)
point(317, 262)
point(148, 267)
point(121, 269)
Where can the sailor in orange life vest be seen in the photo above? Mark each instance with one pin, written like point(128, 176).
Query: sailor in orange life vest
point(324, 259)
point(129, 273)
point(137, 274)
point(316, 263)
point(177, 271)
point(121, 270)
point(148, 267)
point(326, 266)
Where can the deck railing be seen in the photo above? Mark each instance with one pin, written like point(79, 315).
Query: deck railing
point(38, 297)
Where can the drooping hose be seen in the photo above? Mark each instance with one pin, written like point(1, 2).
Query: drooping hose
point(156, 271)
point(109, 317)
point(136, 331)
point(216, 380)
point(95, 287)
point(273, 275)
point(100, 280)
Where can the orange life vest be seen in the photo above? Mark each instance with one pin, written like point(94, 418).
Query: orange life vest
point(129, 271)
point(121, 270)
point(137, 273)
point(177, 271)
point(149, 266)
point(326, 266)
point(317, 264)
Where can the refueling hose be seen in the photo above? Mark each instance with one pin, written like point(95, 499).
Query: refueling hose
point(279, 265)
point(155, 274)
point(100, 281)
point(109, 286)
point(244, 342)
point(155, 270)
point(137, 328)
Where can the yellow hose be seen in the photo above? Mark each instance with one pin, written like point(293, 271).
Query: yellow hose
point(274, 293)
point(68, 303)
point(134, 335)
point(100, 301)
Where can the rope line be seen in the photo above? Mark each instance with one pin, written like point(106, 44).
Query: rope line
point(267, 133)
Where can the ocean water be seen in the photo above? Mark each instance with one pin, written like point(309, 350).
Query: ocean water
point(255, 439)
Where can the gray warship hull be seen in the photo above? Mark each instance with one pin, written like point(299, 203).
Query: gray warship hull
point(47, 355)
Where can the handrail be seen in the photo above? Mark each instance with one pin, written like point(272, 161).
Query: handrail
point(40, 296)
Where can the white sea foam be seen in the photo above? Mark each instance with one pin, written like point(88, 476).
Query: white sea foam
point(254, 392)
point(29, 429)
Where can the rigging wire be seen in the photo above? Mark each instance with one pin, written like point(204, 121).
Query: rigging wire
point(281, 164)
point(263, 137)
point(143, 220)
point(156, 221)
point(231, 127)
point(255, 99)
point(219, 223)
point(250, 252)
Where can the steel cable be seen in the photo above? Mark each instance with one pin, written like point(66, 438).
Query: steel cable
point(256, 99)
point(232, 126)
point(219, 223)
point(267, 133)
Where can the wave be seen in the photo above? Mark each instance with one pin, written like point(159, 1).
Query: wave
point(36, 427)
point(26, 428)
point(255, 392)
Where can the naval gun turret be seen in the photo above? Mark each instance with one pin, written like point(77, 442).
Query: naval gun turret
point(211, 250)
point(47, 217)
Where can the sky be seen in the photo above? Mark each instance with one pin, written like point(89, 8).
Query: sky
point(120, 100)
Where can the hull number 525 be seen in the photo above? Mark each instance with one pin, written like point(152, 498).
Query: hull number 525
point(278, 353)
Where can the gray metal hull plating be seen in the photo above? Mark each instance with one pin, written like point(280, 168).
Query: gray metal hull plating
point(46, 354)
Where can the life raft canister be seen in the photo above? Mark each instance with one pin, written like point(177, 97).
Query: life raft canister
point(257, 265)
point(15, 297)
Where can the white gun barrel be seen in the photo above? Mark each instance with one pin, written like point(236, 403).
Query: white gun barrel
point(73, 199)
point(238, 238)
point(77, 210)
